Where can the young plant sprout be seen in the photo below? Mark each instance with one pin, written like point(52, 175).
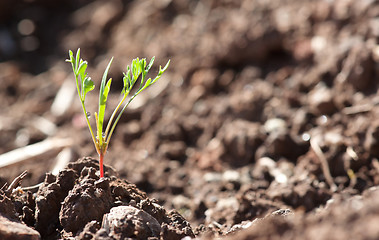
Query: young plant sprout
point(84, 84)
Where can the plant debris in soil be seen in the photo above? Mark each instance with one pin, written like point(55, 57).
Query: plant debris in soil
point(265, 126)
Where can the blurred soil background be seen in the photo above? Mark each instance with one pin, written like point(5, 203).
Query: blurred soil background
point(266, 106)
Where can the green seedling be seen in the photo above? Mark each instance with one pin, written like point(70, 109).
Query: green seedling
point(84, 84)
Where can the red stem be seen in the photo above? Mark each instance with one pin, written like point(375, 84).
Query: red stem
point(101, 155)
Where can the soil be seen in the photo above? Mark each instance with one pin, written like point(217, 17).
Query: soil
point(263, 127)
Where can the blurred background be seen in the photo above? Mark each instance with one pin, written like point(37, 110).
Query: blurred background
point(248, 80)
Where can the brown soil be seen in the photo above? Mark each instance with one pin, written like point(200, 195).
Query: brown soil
point(263, 127)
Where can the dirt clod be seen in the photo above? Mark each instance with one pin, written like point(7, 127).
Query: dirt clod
point(84, 203)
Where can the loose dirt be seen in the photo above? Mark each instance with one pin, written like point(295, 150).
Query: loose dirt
point(264, 126)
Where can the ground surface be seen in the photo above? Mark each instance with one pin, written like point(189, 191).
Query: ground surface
point(266, 106)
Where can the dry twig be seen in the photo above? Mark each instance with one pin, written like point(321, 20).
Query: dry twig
point(324, 162)
point(15, 183)
point(32, 151)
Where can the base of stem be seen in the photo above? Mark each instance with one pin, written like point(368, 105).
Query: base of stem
point(101, 160)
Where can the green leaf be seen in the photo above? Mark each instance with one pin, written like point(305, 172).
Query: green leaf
point(148, 82)
point(161, 71)
point(71, 56)
point(165, 67)
point(127, 82)
point(136, 68)
point(150, 64)
point(106, 90)
point(103, 95)
point(71, 60)
point(77, 61)
point(82, 67)
point(87, 86)
point(135, 63)
point(143, 69)
point(86, 83)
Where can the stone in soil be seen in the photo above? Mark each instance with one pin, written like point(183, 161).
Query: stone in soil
point(12, 230)
point(130, 222)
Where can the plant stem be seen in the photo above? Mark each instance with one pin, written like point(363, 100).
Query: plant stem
point(85, 111)
point(113, 114)
point(101, 160)
point(118, 118)
point(89, 125)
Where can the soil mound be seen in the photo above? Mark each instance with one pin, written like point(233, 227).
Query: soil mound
point(76, 203)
